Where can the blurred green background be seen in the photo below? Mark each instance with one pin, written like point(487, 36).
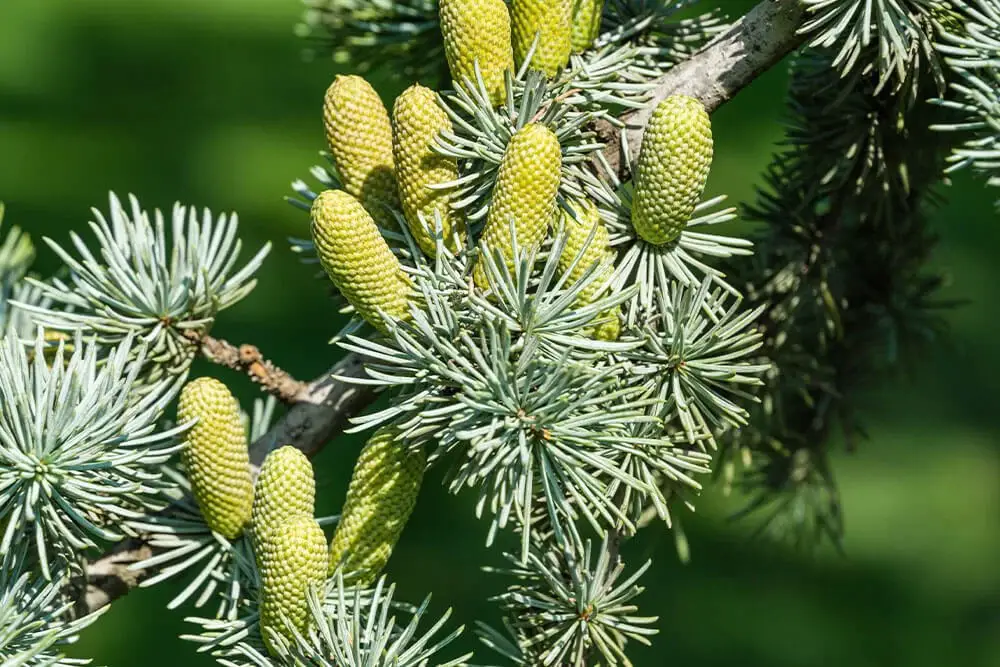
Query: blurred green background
point(209, 102)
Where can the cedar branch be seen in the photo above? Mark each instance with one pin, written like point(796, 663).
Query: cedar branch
point(248, 359)
point(320, 409)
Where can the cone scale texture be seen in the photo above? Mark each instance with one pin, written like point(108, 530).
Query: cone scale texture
point(598, 250)
point(417, 119)
point(674, 162)
point(586, 23)
point(552, 21)
point(357, 258)
point(359, 134)
point(525, 192)
point(478, 30)
point(380, 499)
point(215, 455)
point(290, 561)
point(286, 487)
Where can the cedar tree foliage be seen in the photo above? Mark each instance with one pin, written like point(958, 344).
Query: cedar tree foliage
point(540, 293)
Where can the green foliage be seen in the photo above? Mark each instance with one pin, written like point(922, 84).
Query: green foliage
point(35, 617)
point(971, 45)
point(368, 35)
point(838, 314)
point(652, 26)
point(216, 569)
point(357, 628)
point(349, 625)
point(16, 255)
point(570, 606)
point(560, 434)
point(541, 416)
point(885, 37)
point(140, 285)
point(359, 632)
point(81, 449)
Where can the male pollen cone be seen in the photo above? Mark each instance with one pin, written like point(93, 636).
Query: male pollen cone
point(674, 161)
point(359, 135)
point(215, 455)
point(357, 258)
point(478, 31)
point(525, 192)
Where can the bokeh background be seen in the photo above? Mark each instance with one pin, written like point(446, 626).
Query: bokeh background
point(209, 102)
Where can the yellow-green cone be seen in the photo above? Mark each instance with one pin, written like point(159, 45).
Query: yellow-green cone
point(357, 258)
point(577, 232)
point(381, 496)
point(586, 23)
point(674, 162)
point(286, 487)
point(215, 455)
point(360, 137)
point(525, 192)
point(552, 21)
point(478, 30)
point(291, 560)
point(417, 119)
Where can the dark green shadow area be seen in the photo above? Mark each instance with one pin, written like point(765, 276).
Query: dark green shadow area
point(210, 103)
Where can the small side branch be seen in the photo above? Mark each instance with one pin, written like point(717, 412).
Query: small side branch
point(319, 412)
point(109, 577)
point(248, 359)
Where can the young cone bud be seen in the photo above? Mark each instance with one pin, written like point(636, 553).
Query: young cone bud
point(215, 455)
point(360, 137)
point(357, 258)
point(674, 161)
point(478, 30)
point(525, 192)
point(586, 23)
point(291, 560)
point(551, 20)
point(577, 232)
point(381, 496)
point(417, 119)
point(286, 487)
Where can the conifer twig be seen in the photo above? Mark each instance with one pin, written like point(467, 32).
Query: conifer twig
point(248, 359)
point(320, 409)
point(109, 577)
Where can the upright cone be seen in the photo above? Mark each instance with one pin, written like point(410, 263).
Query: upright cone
point(359, 134)
point(552, 21)
point(356, 257)
point(577, 232)
point(286, 487)
point(417, 119)
point(215, 455)
point(525, 193)
point(586, 23)
point(478, 30)
point(674, 162)
point(381, 496)
point(291, 560)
